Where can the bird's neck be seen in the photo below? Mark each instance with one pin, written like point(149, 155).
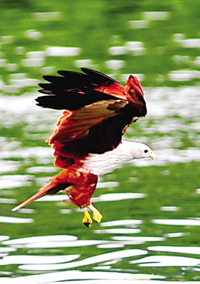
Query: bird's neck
point(101, 164)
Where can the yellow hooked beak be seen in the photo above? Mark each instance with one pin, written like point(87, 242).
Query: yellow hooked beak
point(152, 155)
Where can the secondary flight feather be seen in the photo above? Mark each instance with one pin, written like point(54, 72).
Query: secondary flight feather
point(87, 140)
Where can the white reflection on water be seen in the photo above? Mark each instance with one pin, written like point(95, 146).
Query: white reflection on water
point(103, 197)
point(137, 240)
point(129, 223)
point(169, 208)
point(7, 200)
point(177, 249)
point(25, 153)
point(83, 63)
point(156, 15)
point(47, 16)
point(12, 181)
point(190, 43)
point(4, 249)
point(8, 166)
point(15, 220)
point(175, 235)
point(118, 196)
point(166, 260)
point(3, 238)
point(184, 75)
point(61, 244)
point(118, 231)
point(109, 245)
point(115, 64)
point(41, 169)
point(166, 102)
point(177, 222)
point(90, 277)
point(135, 47)
point(117, 50)
point(107, 184)
point(33, 34)
point(55, 241)
point(33, 62)
point(7, 39)
point(34, 259)
point(35, 240)
point(139, 24)
point(87, 261)
point(62, 51)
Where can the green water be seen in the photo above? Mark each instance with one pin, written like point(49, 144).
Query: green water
point(150, 229)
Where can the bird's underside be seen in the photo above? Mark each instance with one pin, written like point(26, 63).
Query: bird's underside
point(97, 111)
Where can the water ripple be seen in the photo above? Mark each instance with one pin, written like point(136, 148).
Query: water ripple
point(118, 231)
point(167, 261)
point(139, 239)
point(15, 220)
point(95, 277)
point(177, 222)
point(122, 223)
point(30, 240)
point(177, 249)
point(87, 261)
point(118, 196)
point(33, 259)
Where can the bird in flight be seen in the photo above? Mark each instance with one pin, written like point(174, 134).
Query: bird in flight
point(87, 140)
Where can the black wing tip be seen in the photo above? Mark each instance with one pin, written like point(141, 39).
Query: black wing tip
point(90, 74)
point(85, 70)
point(97, 75)
point(64, 73)
point(49, 102)
point(66, 91)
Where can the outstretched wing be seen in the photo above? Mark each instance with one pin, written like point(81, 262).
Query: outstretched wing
point(98, 110)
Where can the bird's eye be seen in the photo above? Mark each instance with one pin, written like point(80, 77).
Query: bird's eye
point(146, 151)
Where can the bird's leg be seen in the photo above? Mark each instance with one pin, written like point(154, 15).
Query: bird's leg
point(97, 217)
point(87, 221)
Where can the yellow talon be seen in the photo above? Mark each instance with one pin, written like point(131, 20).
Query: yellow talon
point(87, 221)
point(97, 217)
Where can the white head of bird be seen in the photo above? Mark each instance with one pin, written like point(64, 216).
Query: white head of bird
point(125, 152)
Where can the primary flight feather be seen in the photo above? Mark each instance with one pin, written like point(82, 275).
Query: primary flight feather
point(87, 141)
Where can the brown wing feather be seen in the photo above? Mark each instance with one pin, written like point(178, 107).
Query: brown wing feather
point(76, 124)
point(97, 127)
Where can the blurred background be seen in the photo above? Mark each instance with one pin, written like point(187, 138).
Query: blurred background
point(143, 37)
point(151, 219)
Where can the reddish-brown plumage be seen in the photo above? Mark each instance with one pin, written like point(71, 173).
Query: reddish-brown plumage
point(127, 93)
point(77, 182)
point(98, 111)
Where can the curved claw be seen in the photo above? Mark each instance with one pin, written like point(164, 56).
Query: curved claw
point(87, 221)
point(97, 217)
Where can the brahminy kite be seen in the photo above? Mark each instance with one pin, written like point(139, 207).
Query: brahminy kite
point(87, 141)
